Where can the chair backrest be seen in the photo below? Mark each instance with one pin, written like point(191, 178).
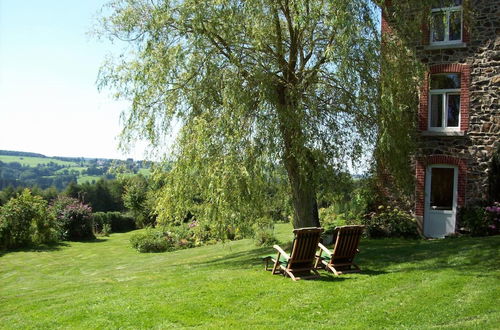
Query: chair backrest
point(304, 246)
point(347, 241)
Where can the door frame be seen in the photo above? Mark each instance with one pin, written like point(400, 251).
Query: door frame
point(427, 195)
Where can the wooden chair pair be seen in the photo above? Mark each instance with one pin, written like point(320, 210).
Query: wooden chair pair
point(303, 262)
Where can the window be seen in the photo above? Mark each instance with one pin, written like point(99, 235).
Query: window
point(446, 22)
point(444, 99)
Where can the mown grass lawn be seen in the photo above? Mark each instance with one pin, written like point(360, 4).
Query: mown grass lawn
point(452, 283)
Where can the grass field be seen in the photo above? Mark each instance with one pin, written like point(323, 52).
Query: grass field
point(452, 284)
point(88, 178)
point(34, 161)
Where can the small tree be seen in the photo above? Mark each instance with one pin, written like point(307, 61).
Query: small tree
point(137, 198)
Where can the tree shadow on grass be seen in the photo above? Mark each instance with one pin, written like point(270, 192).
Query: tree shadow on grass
point(40, 248)
point(471, 255)
point(96, 240)
point(467, 254)
point(50, 247)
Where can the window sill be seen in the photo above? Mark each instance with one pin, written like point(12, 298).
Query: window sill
point(443, 133)
point(446, 46)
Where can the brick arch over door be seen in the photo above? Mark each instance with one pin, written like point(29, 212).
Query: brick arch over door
point(421, 166)
point(423, 112)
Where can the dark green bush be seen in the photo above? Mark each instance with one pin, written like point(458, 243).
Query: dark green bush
point(480, 220)
point(118, 222)
point(121, 222)
point(25, 220)
point(73, 218)
point(390, 222)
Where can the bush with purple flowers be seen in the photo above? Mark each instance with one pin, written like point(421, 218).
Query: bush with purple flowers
point(73, 218)
point(493, 213)
point(479, 220)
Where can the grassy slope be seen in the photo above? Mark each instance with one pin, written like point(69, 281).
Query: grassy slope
point(417, 284)
point(34, 161)
point(88, 178)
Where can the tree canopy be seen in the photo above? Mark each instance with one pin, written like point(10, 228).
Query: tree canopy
point(254, 86)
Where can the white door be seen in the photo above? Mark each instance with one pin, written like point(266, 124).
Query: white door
point(440, 200)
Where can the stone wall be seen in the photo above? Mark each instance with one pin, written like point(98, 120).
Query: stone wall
point(482, 55)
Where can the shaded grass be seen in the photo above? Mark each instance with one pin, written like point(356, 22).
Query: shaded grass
point(405, 284)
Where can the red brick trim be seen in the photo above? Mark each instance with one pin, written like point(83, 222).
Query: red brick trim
point(420, 173)
point(464, 70)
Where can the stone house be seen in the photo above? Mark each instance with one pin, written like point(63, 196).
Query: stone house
point(459, 110)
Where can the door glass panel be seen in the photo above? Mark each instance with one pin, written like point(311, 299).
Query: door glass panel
point(453, 110)
point(437, 110)
point(455, 25)
point(442, 181)
point(438, 26)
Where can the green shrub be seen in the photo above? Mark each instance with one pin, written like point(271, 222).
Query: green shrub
point(118, 222)
point(152, 240)
point(99, 220)
point(264, 232)
point(330, 218)
point(106, 229)
point(74, 219)
point(479, 220)
point(390, 222)
point(25, 220)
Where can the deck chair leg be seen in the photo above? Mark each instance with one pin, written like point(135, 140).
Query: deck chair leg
point(266, 267)
point(317, 262)
point(276, 264)
point(332, 269)
point(289, 273)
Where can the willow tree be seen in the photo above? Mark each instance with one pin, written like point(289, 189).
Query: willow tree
point(251, 84)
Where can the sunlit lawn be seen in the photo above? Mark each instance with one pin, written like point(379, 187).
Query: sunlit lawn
point(451, 283)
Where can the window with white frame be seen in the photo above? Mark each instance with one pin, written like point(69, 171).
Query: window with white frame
point(447, 22)
point(444, 102)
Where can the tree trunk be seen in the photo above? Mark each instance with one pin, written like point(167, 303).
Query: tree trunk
point(299, 164)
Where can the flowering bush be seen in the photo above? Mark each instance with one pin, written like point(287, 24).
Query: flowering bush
point(493, 214)
point(73, 218)
point(479, 220)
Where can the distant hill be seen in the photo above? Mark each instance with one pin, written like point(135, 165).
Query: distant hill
point(28, 169)
point(21, 154)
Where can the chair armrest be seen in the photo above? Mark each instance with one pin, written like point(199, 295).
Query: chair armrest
point(324, 248)
point(281, 251)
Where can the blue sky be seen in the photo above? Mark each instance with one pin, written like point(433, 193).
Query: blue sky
point(49, 102)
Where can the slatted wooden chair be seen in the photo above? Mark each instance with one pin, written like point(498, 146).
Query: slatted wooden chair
point(341, 259)
point(301, 262)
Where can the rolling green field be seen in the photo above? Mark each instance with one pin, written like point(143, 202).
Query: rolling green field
point(34, 161)
point(452, 284)
point(88, 178)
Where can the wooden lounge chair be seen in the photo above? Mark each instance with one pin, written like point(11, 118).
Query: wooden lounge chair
point(301, 262)
point(340, 260)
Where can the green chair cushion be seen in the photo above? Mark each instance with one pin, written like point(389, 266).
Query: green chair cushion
point(282, 259)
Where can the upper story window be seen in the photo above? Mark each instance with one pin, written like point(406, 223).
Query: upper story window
point(444, 102)
point(446, 22)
